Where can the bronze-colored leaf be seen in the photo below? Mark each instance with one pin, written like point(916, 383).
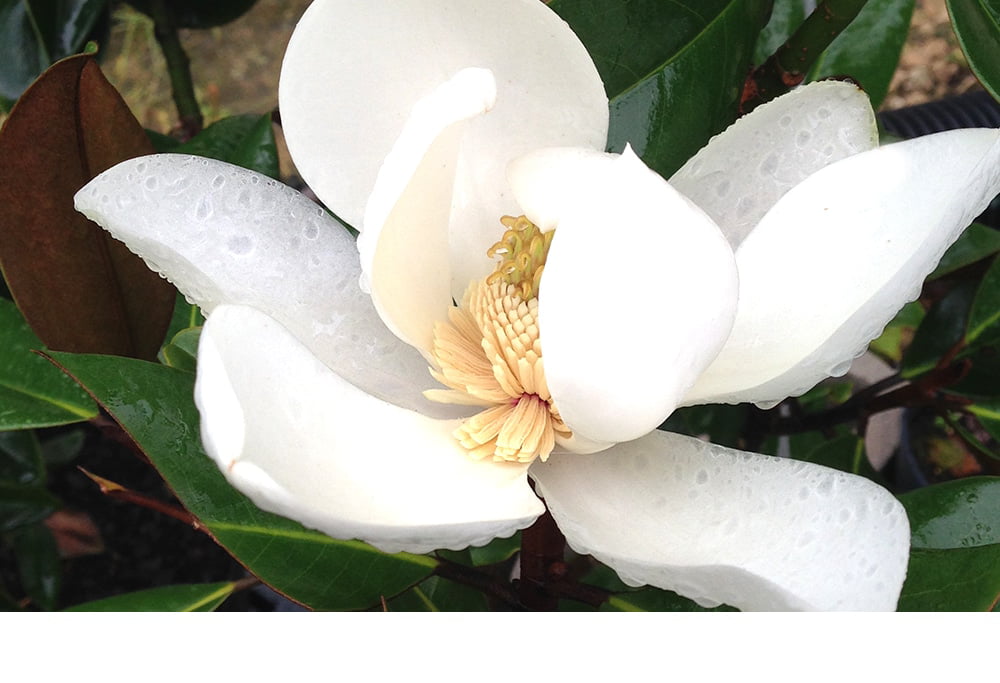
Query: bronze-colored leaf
point(78, 288)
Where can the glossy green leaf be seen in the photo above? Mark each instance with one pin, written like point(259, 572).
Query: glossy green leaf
point(984, 316)
point(201, 13)
point(246, 141)
point(21, 458)
point(155, 405)
point(497, 550)
point(185, 315)
point(953, 580)
point(670, 94)
point(439, 595)
point(896, 336)
point(941, 329)
point(723, 424)
point(182, 351)
point(625, 599)
point(79, 289)
point(868, 49)
point(653, 600)
point(23, 505)
point(786, 15)
point(977, 26)
point(38, 564)
point(32, 392)
point(36, 33)
point(980, 383)
point(844, 453)
point(195, 597)
point(957, 514)
point(977, 242)
point(162, 144)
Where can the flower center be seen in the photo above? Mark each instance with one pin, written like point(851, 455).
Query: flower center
point(489, 354)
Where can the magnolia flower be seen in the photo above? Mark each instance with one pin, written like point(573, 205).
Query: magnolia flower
point(767, 263)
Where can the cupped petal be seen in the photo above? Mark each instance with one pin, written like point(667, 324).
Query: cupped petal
point(223, 234)
point(724, 526)
point(840, 254)
point(405, 257)
point(303, 443)
point(638, 292)
point(740, 174)
point(351, 61)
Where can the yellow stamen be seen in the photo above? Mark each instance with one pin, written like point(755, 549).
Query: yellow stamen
point(522, 251)
point(489, 354)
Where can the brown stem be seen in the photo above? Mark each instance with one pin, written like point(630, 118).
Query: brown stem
point(542, 561)
point(787, 67)
point(119, 492)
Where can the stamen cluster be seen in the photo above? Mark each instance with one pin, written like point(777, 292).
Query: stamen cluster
point(489, 353)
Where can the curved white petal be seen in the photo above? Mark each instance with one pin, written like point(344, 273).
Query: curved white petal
point(370, 62)
point(638, 292)
point(405, 257)
point(740, 174)
point(723, 526)
point(303, 443)
point(224, 234)
point(840, 254)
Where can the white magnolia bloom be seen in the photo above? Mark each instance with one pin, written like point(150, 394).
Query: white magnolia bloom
point(769, 262)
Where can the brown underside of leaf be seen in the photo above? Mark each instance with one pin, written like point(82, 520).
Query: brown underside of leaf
point(78, 288)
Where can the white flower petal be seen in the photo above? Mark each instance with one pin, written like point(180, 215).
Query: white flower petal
point(840, 254)
point(638, 292)
point(223, 234)
point(305, 444)
point(723, 526)
point(744, 170)
point(405, 257)
point(370, 62)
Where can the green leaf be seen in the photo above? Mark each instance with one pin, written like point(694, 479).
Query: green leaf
point(898, 333)
point(186, 315)
point(498, 550)
point(868, 50)
point(38, 564)
point(723, 424)
point(957, 579)
point(844, 453)
point(246, 141)
point(439, 595)
point(195, 597)
point(957, 514)
point(625, 599)
point(155, 405)
point(673, 71)
point(786, 15)
point(980, 384)
point(942, 328)
point(182, 351)
point(24, 505)
point(201, 13)
point(61, 450)
point(78, 288)
point(977, 242)
point(654, 600)
point(984, 316)
point(32, 392)
point(21, 458)
point(34, 34)
point(977, 27)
